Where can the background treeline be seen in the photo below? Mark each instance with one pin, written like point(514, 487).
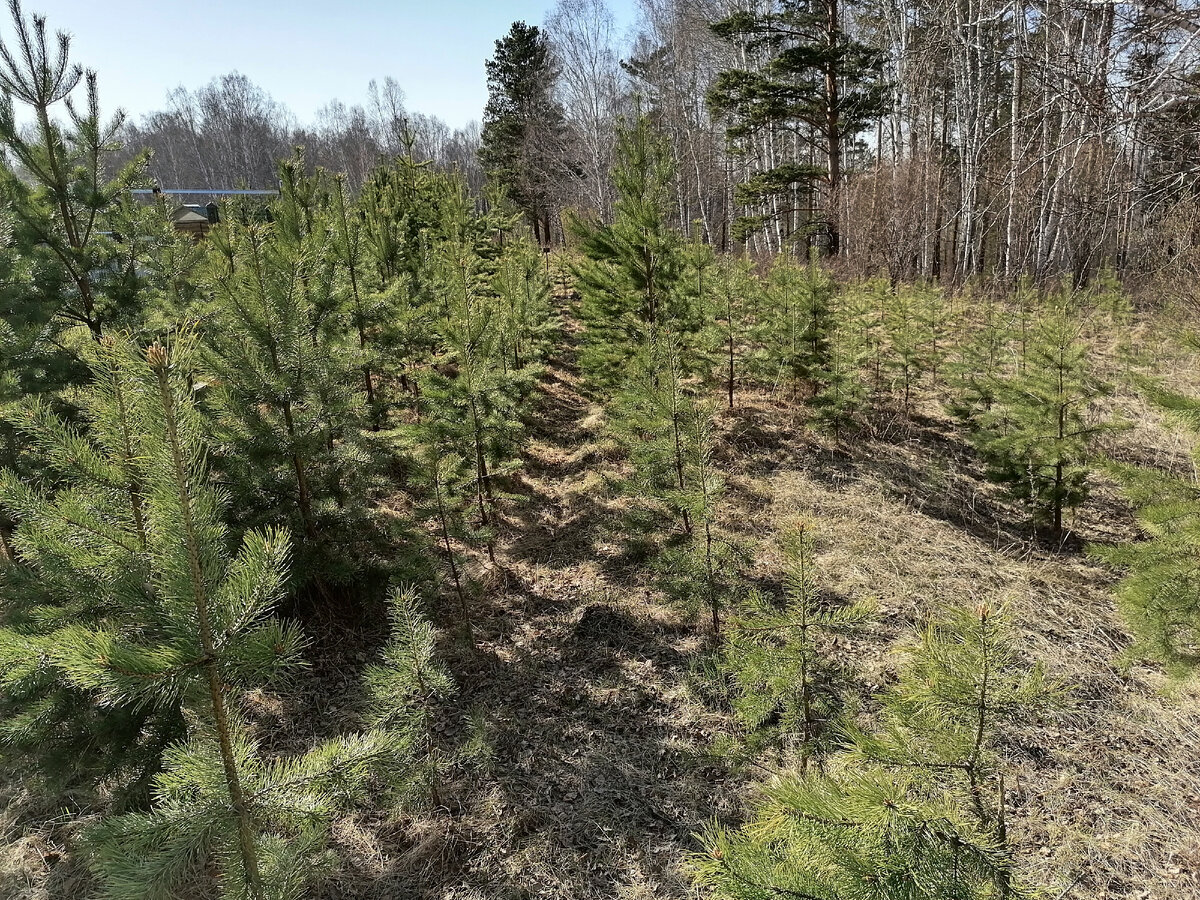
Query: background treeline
point(217, 453)
point(231, 133)
point(924, 140)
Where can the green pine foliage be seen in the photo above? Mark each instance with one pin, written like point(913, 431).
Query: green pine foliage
point(524, 125)
point(700, 574)
point(149, 622)
point(960, 685)
point(74, 248)
point(399, 216)
point(912, 810)
point(913, 327)
point(525, 318)
point(1159, 595)
point(1036, 436)
point(404, 689)
point(447, 498)
point(842, 383)
point(981, 358)
point(871, 305)
point(630, 278)
point(734, 299)
point(799, 321)
point(785, 685)
point(289, 414)
point(57, 184)
point(652, 419)
point(701, 269)
point(79, 567)
point(472, 393)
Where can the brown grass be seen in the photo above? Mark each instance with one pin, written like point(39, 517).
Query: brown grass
point(600, 771)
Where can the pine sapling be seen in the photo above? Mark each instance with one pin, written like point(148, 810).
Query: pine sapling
point(1036, 438)
point(405, 686)
point(777, 658)
point(1159, 593)
point(907, 811)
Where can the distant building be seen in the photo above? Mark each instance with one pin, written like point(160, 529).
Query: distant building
point(194, 219)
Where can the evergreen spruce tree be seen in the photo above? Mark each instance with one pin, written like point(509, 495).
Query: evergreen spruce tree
point(914, 810)
point(1036, 437)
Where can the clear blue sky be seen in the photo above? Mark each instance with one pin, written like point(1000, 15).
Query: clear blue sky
point(304, 53)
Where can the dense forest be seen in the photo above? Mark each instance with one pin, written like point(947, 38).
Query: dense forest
point(758, 461)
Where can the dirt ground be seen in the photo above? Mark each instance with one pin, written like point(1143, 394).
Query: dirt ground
point(603, 768)
point(600, 768)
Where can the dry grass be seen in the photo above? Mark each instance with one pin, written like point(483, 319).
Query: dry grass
point(600, 771)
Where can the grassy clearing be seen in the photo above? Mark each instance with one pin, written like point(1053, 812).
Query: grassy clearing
point(599, 767)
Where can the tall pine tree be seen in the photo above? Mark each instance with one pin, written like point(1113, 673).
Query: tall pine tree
point(523, 146)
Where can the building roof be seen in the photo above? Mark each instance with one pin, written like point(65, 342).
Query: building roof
point(190, 214)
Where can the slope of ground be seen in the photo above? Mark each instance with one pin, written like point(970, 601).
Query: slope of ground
point(600, 769)
point(603, 771)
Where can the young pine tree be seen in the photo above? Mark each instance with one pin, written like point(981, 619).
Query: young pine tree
point(289, 420)
point(198, 633)
point(448, 496)
point(700, 573)
point(980, 359)
point(651, 420)
point(734, 292)
point(471, 395)
point(630, 277)
point(1036, 437)
point(1159, 595)
point(400, 213)
point(912, 811)
point(404, 688)
point(78, 561)
point(57, 182)
point(784, 684)
point(911, 342)
point(523, 294)
point(841, 386)
point(800, 318)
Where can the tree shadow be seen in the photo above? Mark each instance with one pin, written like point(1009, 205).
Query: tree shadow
point(597, 777)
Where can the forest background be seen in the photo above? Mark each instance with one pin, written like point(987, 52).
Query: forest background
point(758, 457)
